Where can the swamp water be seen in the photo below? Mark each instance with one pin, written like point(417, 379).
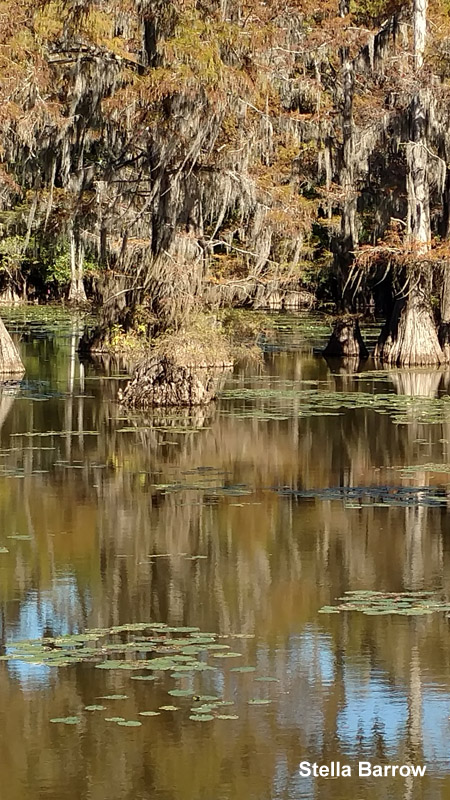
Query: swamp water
point(239, 533)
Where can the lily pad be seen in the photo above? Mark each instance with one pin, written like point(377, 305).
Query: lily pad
point(67, 720)
point(95, 708)
point(259, 701)
point(149, 714)
point(114, 697)
point(130, 723)
point(226, 655)
point(243, 669)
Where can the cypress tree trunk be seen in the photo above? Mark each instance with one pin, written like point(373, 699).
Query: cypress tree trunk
point(346, 340)
point(10, 361)
point(349, 234)
point(420, 30)
point(410, 338)
point(77, 293)
point(444, 328)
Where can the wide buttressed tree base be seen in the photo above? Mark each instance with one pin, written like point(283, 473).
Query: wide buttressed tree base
point(10, 361)
point(410, 337)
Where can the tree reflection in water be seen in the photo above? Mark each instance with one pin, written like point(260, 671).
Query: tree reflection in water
point(106, 491)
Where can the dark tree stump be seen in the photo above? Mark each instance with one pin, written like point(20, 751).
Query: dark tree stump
point(159, 381)
point(346, 340)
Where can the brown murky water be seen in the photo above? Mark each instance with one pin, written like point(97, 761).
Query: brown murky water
point(244, 486)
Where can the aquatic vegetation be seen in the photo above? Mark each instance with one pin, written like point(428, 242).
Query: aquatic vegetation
point(373, 603)
point(259, 701)
point(130, 723)
point(140, 646)
point(243, 669)
point(293, 399)
point(114, 697)
point(67, 720)
point(374, 496)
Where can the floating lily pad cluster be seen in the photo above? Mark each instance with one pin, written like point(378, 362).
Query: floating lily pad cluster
point(135, 647)
point(141, 649)
point(283, 403)
point(387, 603)
point(375, 496)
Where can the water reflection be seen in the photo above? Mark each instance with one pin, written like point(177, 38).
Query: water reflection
point(112, 511)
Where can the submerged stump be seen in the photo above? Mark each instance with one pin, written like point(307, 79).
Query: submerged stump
point(10, 361)
point(409, 337)
point(346, 340)
point(160, 381)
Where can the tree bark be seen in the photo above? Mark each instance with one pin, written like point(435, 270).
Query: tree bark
point(10, 361)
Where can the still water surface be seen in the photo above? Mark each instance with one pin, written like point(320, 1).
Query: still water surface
point(115, 510)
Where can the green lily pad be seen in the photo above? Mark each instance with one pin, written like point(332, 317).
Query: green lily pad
point(114, 697)
point(226, 655)
point(243, 669)
point(169, 708)
point(95, 708)
point(114, 719)
point(258, 701)
point(227, 716)
point(201, 717)
point(149, 714)
point(67, 720)
point(180, 692)
point(130, 723)
point(206, 698)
